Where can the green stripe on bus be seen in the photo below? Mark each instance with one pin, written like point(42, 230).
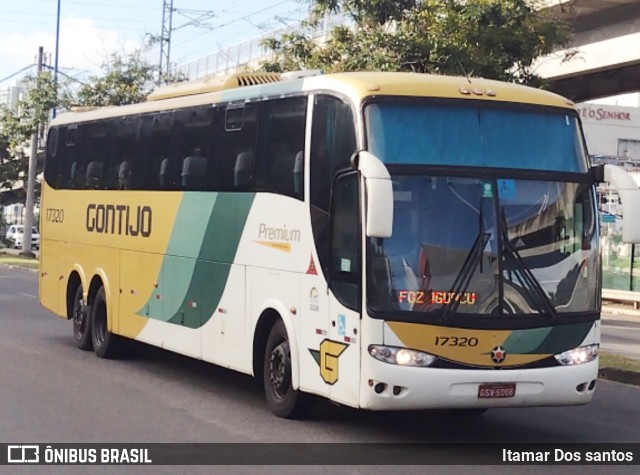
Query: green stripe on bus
point(186, 240)
point(202, 247)
point(547, 340)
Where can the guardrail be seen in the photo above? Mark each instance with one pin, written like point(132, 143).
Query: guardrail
point(626, 296)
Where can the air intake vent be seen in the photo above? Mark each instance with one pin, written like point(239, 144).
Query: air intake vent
point(255, 79)
point(212, 84)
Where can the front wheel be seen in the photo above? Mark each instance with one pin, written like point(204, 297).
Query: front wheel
point(283, 400)
point(81, 322)
point(105, 343)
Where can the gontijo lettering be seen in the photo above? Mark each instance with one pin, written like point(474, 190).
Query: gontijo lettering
point(119, 219)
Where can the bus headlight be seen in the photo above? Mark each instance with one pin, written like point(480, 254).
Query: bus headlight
point(582, 354)
point(401, 356)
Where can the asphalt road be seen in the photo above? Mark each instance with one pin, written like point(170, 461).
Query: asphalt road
point(52, 392)
point(621, 335)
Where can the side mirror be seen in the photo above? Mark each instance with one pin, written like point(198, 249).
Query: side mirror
point(379, 194)
point(629, 194)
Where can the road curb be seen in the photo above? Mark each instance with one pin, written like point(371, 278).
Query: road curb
point(620, 375)
point(22, 268)
point(616, 310)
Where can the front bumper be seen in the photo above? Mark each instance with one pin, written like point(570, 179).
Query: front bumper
point(425, 388)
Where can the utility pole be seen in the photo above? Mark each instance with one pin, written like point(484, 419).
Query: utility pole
point(31, 181)
point(195, 18)
point(165, 38)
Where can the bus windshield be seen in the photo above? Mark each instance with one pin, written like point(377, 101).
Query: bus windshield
point(423, 132)
point(465, 245)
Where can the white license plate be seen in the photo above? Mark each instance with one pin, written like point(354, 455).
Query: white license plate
point(491, 391)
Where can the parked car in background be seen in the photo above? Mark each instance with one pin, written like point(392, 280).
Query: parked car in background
point(15, 236)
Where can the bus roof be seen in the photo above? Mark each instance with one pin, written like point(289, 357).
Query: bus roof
point(356, 85)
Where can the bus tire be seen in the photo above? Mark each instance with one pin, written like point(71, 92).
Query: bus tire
point(283, 400)
point(105, 343)
point(81, 322)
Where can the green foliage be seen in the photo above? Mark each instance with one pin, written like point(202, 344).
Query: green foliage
point(16, 128)
point(498, 39)
point(123, 80)
point(365, 12)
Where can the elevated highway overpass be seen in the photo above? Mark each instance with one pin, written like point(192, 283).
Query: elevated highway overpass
point(606, 40)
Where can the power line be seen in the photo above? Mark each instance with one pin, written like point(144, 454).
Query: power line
point(230, 22)
point(67, 76)
point(27, 22)
point(18, 72)
point(106, 5)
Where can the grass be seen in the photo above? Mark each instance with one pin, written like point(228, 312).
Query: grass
point(609, 360)
point(19, 261)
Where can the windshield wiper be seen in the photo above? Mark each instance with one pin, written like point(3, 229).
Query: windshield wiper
point(524, 275)
point(463, 279)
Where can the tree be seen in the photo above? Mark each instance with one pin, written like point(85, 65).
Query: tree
point(123, 80)
point(497, 39)
point(16, 127)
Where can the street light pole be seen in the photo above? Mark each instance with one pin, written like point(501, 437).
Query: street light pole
point(55, 65)
point(31, 176)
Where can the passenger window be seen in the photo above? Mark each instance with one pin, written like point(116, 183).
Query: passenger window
point(234, 132)
point(280, 155)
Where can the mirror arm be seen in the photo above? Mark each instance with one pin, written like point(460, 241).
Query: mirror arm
point(597, 173)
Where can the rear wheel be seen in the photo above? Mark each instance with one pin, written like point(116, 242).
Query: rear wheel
point(81, 322)
point(283, 400)
point(105, 343)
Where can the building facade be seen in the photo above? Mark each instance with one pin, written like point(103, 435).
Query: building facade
point(612, 131)
point(10, 95)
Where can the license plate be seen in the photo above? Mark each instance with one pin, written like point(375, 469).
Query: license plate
point(490, 391)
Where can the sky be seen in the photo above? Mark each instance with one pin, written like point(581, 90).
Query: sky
point(90, 30)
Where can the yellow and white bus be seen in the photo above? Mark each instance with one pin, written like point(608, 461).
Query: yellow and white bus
point(384, 240)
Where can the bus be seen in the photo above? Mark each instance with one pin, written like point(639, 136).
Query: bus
point(389, 241)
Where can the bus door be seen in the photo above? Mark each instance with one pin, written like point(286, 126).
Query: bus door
point(340, 353)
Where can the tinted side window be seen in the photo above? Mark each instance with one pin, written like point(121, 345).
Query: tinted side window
point(95, 150)
point(54, 168)
point(280, 156)
point(333, 141)
point(234, 135)
point(197, 170)
point(121, 167)
point(164, 163)
point(345, 266)
point(75, 156)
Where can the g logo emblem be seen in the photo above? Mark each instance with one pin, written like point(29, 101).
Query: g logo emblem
point(327, 359)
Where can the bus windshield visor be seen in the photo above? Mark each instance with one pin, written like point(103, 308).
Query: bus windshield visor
point(494, 247)
point(430, 134)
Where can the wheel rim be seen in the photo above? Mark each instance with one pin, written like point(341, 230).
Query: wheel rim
point(80, 318)
point(280, 369)
point(100, 322)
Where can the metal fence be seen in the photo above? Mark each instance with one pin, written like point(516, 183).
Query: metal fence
point(250, 54)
